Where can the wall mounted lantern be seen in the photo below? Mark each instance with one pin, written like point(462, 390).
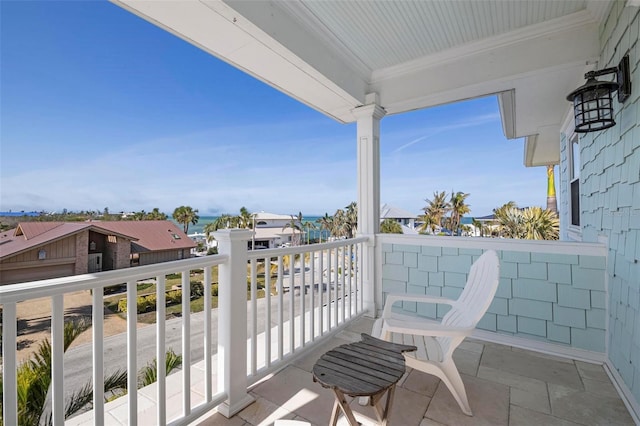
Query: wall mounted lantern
point(42, 254)
point(593, 102)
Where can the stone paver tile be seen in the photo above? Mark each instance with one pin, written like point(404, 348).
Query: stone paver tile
point(543, 355)
point(523, 383)
point(429, 422)
point(471, 346)
point(307, 361)
point(489, 402)
point(520, 416)
point(600, 388)
point(532, 400)
point(422, 383)
point(294, 390)
point(592, 371)
point(263, 412)
point(217, 419)
point(587, 408)
point(408, 408)
point(466, 361)
point(527, 365)
point(361, 325)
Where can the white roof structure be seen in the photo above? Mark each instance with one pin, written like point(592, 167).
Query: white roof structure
point(331, 54)
point(272, 216)
point(390, 212)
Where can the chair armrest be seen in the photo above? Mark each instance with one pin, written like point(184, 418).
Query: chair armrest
point(425, 329)
point(421, 298)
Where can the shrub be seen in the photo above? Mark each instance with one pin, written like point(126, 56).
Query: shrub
point(197, 289)
point(174, 296)
point(122, 305)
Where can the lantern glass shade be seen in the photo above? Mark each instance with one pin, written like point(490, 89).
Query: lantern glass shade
point(593, 105)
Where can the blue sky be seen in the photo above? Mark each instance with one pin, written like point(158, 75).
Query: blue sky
point(102, 109)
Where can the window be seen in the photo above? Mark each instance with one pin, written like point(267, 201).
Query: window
point(574, 180)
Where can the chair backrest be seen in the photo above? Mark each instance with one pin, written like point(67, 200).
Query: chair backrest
point(478, 292)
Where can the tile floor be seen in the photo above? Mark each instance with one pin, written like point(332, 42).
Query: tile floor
point(505, 386)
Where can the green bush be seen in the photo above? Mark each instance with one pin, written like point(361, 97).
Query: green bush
point(174, 296)
point(122, 305)
point(197, 289)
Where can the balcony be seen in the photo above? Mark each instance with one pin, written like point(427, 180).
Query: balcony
point(538, 357)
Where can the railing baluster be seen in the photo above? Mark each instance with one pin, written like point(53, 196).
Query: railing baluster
point(253, 324)
point(335, 292)
point(312, 288)
point(186, 343)
point(303, 292)
point(208, 381)
point(350, 260)
point(98, 355)
point(329, 278)
point(267, 301)
point(132, 350)
point(9, 364)
point(161, 353)
point(280, 310)
point(292, 304)
point(343, 288)
point(57, 359)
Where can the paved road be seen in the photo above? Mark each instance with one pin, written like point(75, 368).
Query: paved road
point(78, 360)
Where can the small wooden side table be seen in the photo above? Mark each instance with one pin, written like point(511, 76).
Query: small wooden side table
point(369, 368)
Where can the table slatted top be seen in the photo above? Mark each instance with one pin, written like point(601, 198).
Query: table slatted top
point(362, 368)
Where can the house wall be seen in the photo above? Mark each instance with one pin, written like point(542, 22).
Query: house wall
point(549, 291)
point(82, 253)
point(60, 261)
point(163, 256)
point(116, 254)
point(610, 196)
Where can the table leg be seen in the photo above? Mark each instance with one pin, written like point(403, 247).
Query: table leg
point(346, 410)
point(383, 416)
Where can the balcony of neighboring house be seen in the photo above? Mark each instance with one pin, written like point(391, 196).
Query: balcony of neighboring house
point(537, 357)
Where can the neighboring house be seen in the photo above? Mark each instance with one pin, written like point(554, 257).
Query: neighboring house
point(403, 217)
point(42, 250)
point(270, 230)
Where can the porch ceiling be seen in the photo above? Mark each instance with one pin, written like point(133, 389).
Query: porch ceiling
point(414, 54)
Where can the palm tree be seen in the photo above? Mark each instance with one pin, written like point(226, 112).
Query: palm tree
point(339, 228)
point(509, 220)
point(156, 214)
point(245, 219)
point(326, 224)
point(186, 215)
point(149, 373)
point(390, 226)
point(351, 219)
point(540, 224)
point(34, 381)
point(428, 224)
point(479, 226)
point(458, 209)
point(552, 202)
point(436, 209)
point(296, 225)
point(221, 222)
point(309, 226)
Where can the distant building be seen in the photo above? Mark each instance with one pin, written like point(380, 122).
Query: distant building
point(270, 231)
point(407, 220)
point(42, 250)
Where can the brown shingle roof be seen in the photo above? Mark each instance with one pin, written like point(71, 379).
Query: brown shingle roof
point(28, 235)
point(151, 235)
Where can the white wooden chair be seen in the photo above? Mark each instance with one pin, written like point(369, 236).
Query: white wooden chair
point(436, 341)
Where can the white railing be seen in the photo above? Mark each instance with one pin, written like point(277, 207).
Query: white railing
point(308, 292)
point(312, 290)
point(56, 289)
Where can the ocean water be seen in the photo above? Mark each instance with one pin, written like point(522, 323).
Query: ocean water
point(205, 220)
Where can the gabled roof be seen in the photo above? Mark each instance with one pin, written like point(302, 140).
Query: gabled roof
point(151, 235)
point(272, 216)
point(390, 212)
point(28, 235)
point(145, 236)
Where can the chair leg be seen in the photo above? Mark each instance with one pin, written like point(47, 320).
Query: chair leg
point(452, 379)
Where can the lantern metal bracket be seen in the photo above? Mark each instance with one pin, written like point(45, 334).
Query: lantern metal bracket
point(623, 77)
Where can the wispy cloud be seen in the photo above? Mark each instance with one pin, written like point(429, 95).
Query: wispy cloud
point(432, 131)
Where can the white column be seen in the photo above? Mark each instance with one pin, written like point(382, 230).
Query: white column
point(368, 134)
point(232, 320)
